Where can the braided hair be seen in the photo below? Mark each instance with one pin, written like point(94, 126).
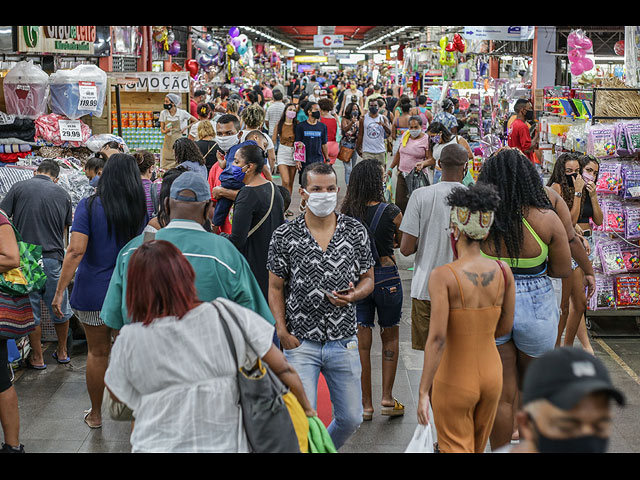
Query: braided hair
point(520, 188)
point(365, 185)
point(558, 176)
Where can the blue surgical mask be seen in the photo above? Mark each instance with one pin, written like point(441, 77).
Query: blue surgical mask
point(238, 173)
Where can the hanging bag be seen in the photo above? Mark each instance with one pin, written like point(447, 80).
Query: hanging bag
point(266, 418)
point(422, 440)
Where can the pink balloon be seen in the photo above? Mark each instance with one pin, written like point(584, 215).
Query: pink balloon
point(586, 63)
point(577, 68)
point(586, 43)
point(575, 55)
point(235, 41)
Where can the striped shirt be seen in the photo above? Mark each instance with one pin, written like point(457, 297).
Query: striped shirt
point(146, 184)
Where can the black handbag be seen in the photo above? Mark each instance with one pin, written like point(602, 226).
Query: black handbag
point(266, 418)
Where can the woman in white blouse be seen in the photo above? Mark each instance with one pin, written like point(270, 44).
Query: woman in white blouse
point(173, 366)
point(174, 124)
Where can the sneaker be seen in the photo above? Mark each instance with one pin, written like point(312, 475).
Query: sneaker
point(9, 449)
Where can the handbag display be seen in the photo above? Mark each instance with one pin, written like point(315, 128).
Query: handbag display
point(266, 418)
point(29, 276)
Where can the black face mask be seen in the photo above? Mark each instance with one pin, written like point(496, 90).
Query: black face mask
point(528, 115)
point(373, 110)
point(315, 115)
point(167, 106)
point(584, 444)
point(571, 179)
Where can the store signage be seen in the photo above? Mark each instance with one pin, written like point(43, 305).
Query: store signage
point(310, 59)
point(177, 82)
point(502, 33)
point(76, 40)
point(70, 130)
point(88, 96)
point(328, 41)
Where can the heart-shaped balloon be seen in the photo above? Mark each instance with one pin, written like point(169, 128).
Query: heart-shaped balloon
point(587, 64)
point(575, 55)
point(577, 68)
point(192, 67)
point(450, 47)
point(458, 43)
point(585, 42)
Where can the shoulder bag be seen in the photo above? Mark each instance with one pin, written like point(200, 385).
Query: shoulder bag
point(266, 418)
point(259, 224)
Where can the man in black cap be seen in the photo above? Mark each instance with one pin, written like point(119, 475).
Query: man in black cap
point(566, 404)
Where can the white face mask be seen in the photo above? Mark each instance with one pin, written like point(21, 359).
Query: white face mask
point(226, 143)
point(415, 133)
point(322, 204)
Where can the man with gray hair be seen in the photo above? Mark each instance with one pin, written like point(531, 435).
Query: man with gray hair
point(425, 228)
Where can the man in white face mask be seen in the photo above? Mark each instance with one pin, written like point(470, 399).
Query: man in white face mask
point(228, 134)
point(326, 261)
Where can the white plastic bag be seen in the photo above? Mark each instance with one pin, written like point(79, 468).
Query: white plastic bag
point(422, 441)
point(78, 92)
point(26, 90)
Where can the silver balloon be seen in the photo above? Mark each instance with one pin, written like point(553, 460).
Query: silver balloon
point(171, 37)
point(201, 44)
point(212, 49)
point(204, 60)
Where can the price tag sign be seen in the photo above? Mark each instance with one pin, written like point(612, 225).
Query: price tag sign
point(70, 130)
point(88, 96)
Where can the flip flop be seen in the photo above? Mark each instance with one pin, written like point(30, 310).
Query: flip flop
point(395, 411)
point(28, 364)
point(86, 414)
point(367, 416)
point(63, 361)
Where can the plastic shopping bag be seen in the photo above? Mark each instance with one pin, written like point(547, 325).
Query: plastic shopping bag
point(422, 441)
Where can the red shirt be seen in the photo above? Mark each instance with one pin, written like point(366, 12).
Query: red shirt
point(332, 128)
point(519, 137)
point(214, 181)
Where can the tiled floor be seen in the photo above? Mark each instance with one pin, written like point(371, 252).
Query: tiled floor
point(52, 401)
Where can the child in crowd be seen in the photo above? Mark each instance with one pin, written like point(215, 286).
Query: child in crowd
point(93, 170)
point(227, 179)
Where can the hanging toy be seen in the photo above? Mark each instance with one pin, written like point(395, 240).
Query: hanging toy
point(578, 45)
point(458, 43)
point(446, 56)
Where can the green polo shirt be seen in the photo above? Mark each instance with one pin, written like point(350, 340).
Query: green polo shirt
point(221, 271)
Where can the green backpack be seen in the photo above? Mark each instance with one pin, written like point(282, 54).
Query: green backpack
point(29, 276)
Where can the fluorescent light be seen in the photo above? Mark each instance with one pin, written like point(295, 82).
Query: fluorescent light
point(395, 32)
point(619, 58)
point(269, 37)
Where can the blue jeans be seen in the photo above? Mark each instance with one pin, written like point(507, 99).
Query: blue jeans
point(437, 175)
point(348, 166)
point(339, 362)
point(52, 269)
point(536, 316)
point(386, 298)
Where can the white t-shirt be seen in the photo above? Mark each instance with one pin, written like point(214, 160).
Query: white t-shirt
point(193, 131)
point(346, 100)
point(179, 378)
point(181, 116)
point(273, 115)
point(427, 217)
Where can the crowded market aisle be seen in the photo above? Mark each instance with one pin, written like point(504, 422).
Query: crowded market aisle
point(52, 401)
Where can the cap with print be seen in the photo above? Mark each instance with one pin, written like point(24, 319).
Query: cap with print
point(566, 375)
point(194, 182)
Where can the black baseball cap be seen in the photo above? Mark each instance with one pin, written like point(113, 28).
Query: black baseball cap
point(564, 376)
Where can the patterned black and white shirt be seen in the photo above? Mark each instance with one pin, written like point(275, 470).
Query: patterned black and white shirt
point(296, 257)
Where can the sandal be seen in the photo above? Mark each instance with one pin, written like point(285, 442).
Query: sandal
point(60, 360)
point(367, 416)
point(27, 363)
point(395, 411)
point(86, 414)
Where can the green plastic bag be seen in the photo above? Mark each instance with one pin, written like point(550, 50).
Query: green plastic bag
point(29, 276)
point(319, 439)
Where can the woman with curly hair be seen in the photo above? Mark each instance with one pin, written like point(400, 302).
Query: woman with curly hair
point(253, 118)
point(573, 178)
point(528, 234)
point(473, 301)
point(189, 156)
point(365, 201)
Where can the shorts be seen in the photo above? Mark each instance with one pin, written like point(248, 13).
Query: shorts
point(52, 269)
point(536, 316)
point(420, 317)
point(386, 298)
point(592, 253)
point(285, 156)
point(381, 157)
point(89, 318)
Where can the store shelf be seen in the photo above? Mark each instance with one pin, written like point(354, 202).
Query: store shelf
point(631, 312)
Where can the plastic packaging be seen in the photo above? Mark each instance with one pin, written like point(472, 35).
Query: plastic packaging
point(601, 141)
point(26, 89)
point(604, 297)
point(96, 142)
point(614, 215)
point(78, 92)
point(611, 257)
point(609, 178)
point(48, 130)
point(632, 131)
point(627, 291)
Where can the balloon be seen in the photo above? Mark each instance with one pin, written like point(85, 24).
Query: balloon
point(212, 49)
point(175, 67)
point(171, 37)
point(235, 42)
point(201, 44)
point(586, 63)
point(235, 56)
point(450, 47)
point(174, 49)
point(230, 49)
point(243, 40)
point(464, 103)
point(618, 48)
point(458, 43)
point(575, 55)
point(434, 93)
point(572, 40)
point(577, 68)
point(242, 49)
point(234, 32)
point(204, 60)
point(192, 66)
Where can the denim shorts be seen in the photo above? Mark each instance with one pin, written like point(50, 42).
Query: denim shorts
point(386, 298)
point(52, 269)
point(536, 316)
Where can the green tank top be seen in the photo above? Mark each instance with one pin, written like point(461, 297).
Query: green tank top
point(526, 262)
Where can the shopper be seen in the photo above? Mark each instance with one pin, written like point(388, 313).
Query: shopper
point(146, 161)
point(207, 144)
point(9, 413)
point(102, 225)
point(566, 399)
point(349, 97)
point(293, 88)
point(413, 153)
point(162, 219)
point(400, 125)
point(93, 169)
point(172, 395)
point(188, 155)
point(253, 118)
point(350, 127)
point(313, 134)
point(365, 201)
point(41, 211)
point(440, 137)
point(423, 111)
point(377, 93)
point(531, 238)
point(174, 123)
point(424, 232)
point(519, 135)
point(257, 212)
point(199, 96)
point(284, 135)
point(322, 250)
point(574, 178)
point(221, 271)
point(371, 135)
point(473, 302)
point(274, 114)
point(330, 119)
point(446, 116)
point(205, 113)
